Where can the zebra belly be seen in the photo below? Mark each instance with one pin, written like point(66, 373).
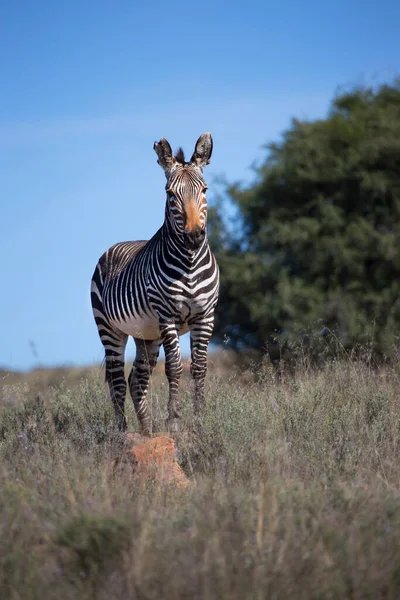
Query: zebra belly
point(145, 328)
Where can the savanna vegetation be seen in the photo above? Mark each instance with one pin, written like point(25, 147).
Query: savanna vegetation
point(296, 491)
point(312, 256)
point(295, 479)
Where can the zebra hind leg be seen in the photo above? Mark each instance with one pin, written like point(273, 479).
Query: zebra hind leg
point(145, 361)
point(114, 345)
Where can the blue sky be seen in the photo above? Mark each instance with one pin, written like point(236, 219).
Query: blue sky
point(86, 89)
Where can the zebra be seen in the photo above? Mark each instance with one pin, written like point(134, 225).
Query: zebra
point(159, 289)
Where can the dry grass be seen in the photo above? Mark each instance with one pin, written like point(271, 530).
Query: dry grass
point(296, 495)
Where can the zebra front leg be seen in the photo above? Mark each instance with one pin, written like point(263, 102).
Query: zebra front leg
point(145, 361)
point(173, 367)
point(200, 334)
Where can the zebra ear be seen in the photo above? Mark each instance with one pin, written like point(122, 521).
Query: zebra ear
point(165, 157)
point(203, 150)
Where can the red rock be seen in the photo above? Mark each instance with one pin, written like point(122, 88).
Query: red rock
point(154, 458)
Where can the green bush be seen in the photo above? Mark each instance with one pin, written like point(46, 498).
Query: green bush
point(315, 237)
point(94, 547)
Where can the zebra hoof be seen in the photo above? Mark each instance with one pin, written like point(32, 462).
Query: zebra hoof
point(122, 426)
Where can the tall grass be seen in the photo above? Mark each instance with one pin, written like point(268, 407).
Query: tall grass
point(296, 492)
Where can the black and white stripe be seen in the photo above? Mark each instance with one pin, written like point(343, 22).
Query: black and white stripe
point(159, 289)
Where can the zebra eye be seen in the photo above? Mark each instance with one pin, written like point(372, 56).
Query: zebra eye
point(205, 189)
point(170, 193)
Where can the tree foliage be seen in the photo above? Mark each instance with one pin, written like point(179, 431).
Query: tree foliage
point(315, 246)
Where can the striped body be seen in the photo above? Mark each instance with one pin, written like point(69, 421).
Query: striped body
point(133, 296)
point(156, 291)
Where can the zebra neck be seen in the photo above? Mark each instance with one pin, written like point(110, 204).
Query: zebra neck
point(173, 244)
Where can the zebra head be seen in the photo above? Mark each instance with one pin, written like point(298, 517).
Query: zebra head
point(186, 189)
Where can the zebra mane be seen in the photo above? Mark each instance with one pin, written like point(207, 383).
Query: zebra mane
point(180, 156)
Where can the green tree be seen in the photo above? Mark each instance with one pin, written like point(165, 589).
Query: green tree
point(316, 242)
